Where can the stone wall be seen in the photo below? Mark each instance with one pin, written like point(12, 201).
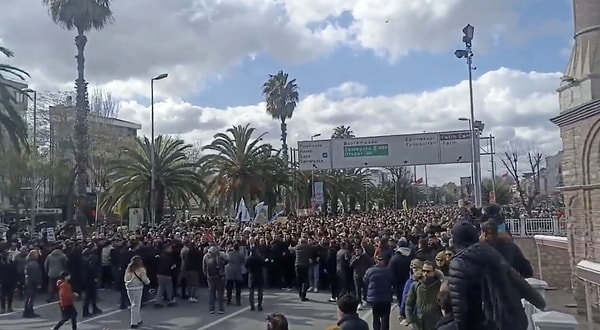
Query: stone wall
point(549, 259)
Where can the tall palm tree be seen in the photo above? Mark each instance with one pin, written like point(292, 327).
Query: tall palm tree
point(281, 96)
point(81, 16)
point(12, 123)
point(241, 166)
point(342, 132)
point(177, 177)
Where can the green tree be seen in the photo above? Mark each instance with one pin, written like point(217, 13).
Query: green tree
point(177, 178)
point(342, 132)
point(239, 165)
point(81, 16)
point(281, 97)
point(504, 195)
point(12, 123)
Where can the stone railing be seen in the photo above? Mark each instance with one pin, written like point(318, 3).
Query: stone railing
point(537, 226)
point(588, 273)
point(551, 320)
point(553, 261)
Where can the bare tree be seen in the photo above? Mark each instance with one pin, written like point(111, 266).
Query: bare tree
point(524, 166)
point(103, 104)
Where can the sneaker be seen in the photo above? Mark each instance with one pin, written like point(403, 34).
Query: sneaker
point(332, 299)
point(191, 300)
point(316, 290)
point(221, 312)
point(360, 307)
point(310, 288)
point(211, 311)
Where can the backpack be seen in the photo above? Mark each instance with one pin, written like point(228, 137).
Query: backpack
point(213, 269)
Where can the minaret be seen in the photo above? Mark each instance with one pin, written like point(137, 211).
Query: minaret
point(581, 81)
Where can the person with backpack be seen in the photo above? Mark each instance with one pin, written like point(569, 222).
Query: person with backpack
point(485, 290)
point(213, 265)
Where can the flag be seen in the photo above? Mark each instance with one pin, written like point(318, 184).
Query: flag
point(242, 213)
point(276, 215)
point(405, 205)
point(419, 181)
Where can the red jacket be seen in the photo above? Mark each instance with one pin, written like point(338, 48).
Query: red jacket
point(65, 294)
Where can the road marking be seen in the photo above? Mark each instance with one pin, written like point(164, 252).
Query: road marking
point(369, 313)
point(19, 310)
point(112, 312)
point(224, 318)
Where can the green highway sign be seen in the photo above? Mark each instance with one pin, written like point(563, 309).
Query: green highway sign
point(366, 150)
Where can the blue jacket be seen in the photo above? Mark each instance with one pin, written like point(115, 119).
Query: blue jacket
point(379, 281)
point(407, 285)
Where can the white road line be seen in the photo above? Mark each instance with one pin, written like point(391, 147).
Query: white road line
point(112, 312)
point(369, 313)
point(225, 318)
point(19, 310)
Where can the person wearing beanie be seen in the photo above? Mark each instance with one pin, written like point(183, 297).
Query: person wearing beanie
point(486, 292)
point(66, 301)
point(348, 318)
point(416, 266)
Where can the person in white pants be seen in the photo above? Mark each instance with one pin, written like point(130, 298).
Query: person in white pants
point(135, 279)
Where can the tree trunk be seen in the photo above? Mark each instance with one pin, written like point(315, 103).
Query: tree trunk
point(284, 146)
point(81, 129)
point(160, 203)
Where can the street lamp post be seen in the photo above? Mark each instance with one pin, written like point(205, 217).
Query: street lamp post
point(467, 54)
point(152, 151)
point(34, 152)
point(472, 158)
point(312, 172)
point(366, 192)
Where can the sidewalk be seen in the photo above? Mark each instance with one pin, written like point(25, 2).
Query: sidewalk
point(559, 299)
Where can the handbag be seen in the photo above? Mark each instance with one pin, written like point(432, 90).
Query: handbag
point(139, 278)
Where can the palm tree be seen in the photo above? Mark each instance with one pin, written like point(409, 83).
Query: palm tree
point(281, 97)
point(342, 132)
point(12, 123)
point(241, 166)
point(81, 16)
point(177, 177)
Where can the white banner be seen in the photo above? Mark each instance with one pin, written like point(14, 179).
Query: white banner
point(136, 215)
point(319, 194)
point(242, 213)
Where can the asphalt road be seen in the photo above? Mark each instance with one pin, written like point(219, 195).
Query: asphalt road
point(316, 314)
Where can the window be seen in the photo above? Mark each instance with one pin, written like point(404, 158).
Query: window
point(19, 97)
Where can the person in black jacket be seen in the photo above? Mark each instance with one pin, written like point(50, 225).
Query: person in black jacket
point(485, 291)
point(507, 248)
point(91, 272)
point(8, 282)
point(166, 264)
point(400, 267)
point(256, 282)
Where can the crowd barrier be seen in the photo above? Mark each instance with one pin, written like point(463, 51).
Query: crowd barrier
point(538, 226)
point(550, 320)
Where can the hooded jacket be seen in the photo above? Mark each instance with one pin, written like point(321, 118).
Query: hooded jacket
point(479, 276)
point(65, 294)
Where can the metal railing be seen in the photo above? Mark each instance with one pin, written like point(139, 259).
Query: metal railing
point(538, 226)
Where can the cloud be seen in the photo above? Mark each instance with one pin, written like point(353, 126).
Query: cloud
point(197, 40)
point(514, 105)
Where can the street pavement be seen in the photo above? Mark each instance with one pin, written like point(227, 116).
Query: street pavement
point(316, 313)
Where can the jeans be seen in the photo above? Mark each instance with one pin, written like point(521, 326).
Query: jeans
point(216, 292)
point(238, 291)
point(165, 289)
point(381, 315)
point(359, 288)
point(29, 299)
point(135, 299)
point(302, 276)
point(68, 313)
point(313, 276)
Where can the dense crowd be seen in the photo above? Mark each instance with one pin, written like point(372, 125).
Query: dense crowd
point(448, 268)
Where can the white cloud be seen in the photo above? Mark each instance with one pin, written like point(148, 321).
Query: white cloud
point(196, 40)
point(514, 105)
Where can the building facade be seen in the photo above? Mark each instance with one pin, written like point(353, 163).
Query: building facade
point(579, 122)
point(551, 178)
point(105, 134)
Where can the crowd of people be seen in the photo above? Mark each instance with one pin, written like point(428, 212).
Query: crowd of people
point(447, 267)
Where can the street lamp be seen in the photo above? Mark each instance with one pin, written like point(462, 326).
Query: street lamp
point(472, 153)
point(467, 53)
point(152, 151)
point(312, 171)
point(366, 193)
point(34, 152)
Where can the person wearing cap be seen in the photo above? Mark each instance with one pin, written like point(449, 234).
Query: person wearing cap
point(380, 281)
point(348, 318)
point(277, 321)
point(485, 291)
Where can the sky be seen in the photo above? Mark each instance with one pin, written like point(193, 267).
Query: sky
point(381, 67)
